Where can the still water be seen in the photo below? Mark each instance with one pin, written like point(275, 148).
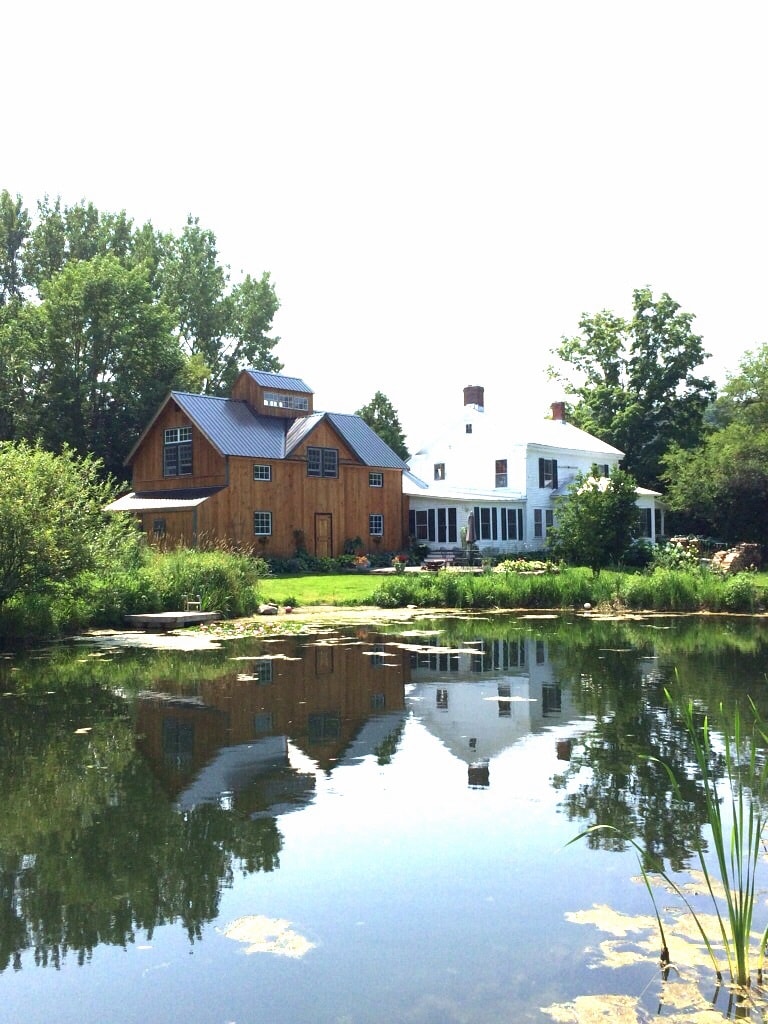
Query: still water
point(367, 824)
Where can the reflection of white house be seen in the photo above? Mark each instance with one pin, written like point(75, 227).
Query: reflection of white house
point(508, 475)
point(480, 704)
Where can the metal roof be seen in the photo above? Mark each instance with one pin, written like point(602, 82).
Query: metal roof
point(278, 381)
point(232, 428)
point(364, 441)
point(169, 501)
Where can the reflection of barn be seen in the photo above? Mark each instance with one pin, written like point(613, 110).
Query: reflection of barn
point(229, 741)
point(483, 697)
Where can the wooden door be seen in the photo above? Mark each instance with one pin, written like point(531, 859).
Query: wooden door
point(323, 535)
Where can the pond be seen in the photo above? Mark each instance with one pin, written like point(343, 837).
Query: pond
point(363, 824)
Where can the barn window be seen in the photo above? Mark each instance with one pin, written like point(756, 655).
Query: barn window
point(262, 524)
point(323, 462)
point(177, 451)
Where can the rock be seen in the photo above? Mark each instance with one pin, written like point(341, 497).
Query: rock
point(267, 609)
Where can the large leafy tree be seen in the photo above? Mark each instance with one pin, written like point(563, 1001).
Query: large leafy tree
point(596, 521)
point(381, 416)
point(633, 382)
point(100, 318)
point(721, 487)
point(106, 360)
point(221, 329)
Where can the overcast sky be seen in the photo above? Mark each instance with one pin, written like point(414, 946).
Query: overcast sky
point(439, 190)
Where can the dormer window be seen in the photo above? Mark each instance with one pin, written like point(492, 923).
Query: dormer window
point(439, 471)
point(501, 472)
point(280, 400)
point(468, 428)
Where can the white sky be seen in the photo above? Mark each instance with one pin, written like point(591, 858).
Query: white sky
point(439, 190)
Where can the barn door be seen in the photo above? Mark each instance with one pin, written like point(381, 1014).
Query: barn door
point(323, 535)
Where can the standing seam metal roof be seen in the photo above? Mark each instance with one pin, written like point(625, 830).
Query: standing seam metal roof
point(234, 429)
point(277, 381)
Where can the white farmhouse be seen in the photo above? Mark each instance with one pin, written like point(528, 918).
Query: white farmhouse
point(498, 477)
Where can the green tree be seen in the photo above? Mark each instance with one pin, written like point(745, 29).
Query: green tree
point(596, 521)
point(381, 416)
point(721, 487)
point(106, 358)
point(633, 381)
point(220, 329)
point(52, 519)
point(14, 230)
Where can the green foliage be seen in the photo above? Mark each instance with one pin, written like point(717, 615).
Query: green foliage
point(721, 487)
point(380, 415)
point(676, 554)
point(634, 382)
point(52, 523)
point(596, 521)
point(99, 319)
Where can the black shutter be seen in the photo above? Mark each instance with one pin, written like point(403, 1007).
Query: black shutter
point(541, 472)
point(554, 474)
point(431, 524)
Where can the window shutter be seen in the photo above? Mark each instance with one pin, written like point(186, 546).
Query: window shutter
point(554, 474)
point(541, 472)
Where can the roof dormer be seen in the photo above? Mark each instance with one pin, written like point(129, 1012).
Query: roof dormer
point(272, 394)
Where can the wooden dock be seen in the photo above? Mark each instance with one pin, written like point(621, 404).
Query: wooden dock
point(163, 621)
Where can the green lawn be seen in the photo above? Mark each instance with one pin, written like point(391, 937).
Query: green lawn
point(349, 588)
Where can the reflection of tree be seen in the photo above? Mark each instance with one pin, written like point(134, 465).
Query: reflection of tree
point(614, 776)
point(90, 850)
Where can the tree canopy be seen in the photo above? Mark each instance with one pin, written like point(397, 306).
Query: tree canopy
point(633, 381)
point(721, 487)
point(596, 520)
point(100, 318)
point(380, 415)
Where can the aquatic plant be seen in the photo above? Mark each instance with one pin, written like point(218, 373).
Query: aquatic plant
point(737, 819)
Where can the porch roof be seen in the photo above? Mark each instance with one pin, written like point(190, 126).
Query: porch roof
point(165, 501)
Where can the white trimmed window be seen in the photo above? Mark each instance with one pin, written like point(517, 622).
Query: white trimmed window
point(177, 451)
point(501, 472)
point(376, 524)
point(262, 472)
point(543, 520)
point(323, 462)
point(262, 524)
point(375, 479)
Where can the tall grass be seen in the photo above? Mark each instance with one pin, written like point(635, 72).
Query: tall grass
point(661, 590)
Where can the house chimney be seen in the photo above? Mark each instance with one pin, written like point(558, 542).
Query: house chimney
point(558, 411)
point(474, 395)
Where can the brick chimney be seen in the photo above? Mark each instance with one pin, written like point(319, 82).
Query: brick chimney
point(474, 395)
point(558, 411)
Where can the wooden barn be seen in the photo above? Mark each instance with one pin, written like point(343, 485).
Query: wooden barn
point(263, 470)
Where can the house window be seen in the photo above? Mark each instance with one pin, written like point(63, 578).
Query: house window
point(376, 524)
point(177, 451)
point(543, 520)
point(434, 525)
point(158, 528)
point(262, 524)
point(439, 471)
point(375, 479)
point(501, 472)
point(486, 523)
point(323, 462)
point(511, 524)
point(645, 522)
point(468, 428)
point(378, 702)
point(605, 469)
point(548, 473)
point(262, 472)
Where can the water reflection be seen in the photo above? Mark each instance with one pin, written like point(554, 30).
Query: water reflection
point(140, 788)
